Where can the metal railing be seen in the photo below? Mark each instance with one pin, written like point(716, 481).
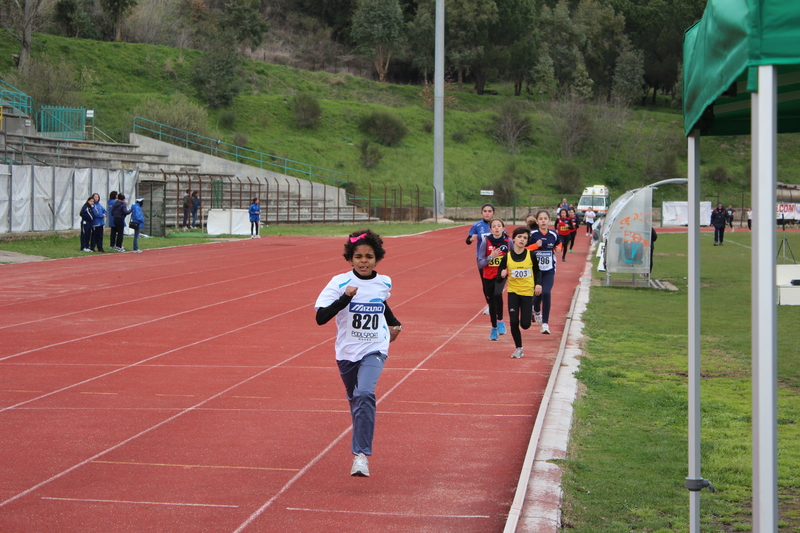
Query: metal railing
point(94, 133)
point(238, 154)
point(62, 122)
point(11, 96)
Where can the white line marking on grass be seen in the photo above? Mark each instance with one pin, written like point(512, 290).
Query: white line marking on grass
point(89, 500)
point(409, 515)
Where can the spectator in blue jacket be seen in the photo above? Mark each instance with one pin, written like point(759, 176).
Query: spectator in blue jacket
point(97, 225)
point(195, 208)
point(87, 220)
point(112, 199)
point(137, 221)
point(255, 219)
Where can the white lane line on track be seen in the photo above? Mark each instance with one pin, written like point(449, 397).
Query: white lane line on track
point(156, 426)
point(335, 441)
point(89, 500)
point(409, 515)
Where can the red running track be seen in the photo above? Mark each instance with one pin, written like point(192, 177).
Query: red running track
point(189, 389)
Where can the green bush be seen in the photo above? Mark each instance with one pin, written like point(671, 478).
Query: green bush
point(216, 76)
point(370, 154)
point(240, 139)
point(567, 177)
point(427, 126)
point(460, 136)
point(227, 119)
point(307, 111)
point(47, 83)
point(719, 174)
point(178, 113)
point(385, 127)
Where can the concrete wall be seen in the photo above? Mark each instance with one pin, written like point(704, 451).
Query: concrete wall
point(209, 164)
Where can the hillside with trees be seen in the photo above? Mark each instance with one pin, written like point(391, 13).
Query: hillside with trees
point(543, 98)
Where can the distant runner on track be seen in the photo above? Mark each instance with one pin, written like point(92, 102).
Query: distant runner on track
point(477, 233)
point(365, 326)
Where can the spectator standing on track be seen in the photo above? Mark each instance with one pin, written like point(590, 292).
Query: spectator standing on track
point(564, 229)
point(137, 221)
point(479, 231)
point(97, 225)
point(112, 199)
point(365, 326)
point(545, 244)
point(492, 248)
point(187, 207)
point(195, 208)
point(588, 218)
point(255, 219)
point(562, 205)
point(576, 223)
point(719, 218)
point(87, 224)
point(522, 271)
point(119, 212)
point(729, 216)
point(750, 218)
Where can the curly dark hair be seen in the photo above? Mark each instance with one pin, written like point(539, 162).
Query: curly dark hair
point(364, 236)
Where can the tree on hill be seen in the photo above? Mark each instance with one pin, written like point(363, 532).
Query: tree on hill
point(116, 10)
point(378, 27)
point(21, 18)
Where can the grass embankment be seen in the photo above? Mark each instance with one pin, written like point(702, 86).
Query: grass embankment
point(628, 451)
point(115, 78)
point(58, 247)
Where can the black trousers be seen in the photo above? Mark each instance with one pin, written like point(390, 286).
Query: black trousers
point(493, 292)
point(719, 234)
point(119, 227)
point(86, 235)
point(520, 311)
point(97, 238)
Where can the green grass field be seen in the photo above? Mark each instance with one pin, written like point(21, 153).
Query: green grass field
point(628, 450)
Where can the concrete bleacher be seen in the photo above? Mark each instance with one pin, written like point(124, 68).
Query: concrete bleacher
point(171, 169)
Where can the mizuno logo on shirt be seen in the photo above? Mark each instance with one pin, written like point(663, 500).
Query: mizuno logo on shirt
point(366, 307)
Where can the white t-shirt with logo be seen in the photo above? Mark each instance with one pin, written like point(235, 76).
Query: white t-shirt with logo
point(361, 325)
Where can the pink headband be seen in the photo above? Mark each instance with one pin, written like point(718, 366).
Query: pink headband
point(354, 239)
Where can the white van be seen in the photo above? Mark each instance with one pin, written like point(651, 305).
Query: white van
point(597, 198)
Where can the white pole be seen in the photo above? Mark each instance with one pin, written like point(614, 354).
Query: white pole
point(694, 330)
point(764, 319)
point(438, 114)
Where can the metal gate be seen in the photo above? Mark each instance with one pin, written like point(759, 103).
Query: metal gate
point(154, 208)
point(62, 122)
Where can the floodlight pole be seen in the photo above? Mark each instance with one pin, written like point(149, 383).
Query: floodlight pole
point(438, 114)
point(763, 305)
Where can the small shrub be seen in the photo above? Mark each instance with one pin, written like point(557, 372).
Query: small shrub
point(227, 119)
point(216, 75)
point(719, 174)
point(460, 136)
point(48, 84)
point(511, 127)
point(370, 154)
point(568, 178)
point(240, 139)
point(384, 126)
point(427, 126)
point(307, 111)
point(178, 113)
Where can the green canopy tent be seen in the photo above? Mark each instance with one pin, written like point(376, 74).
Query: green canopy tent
point(741, 75)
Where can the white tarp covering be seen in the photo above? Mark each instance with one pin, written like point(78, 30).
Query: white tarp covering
point(44, 198)
point(626, 233)
point(677, 214)
point(228, 222)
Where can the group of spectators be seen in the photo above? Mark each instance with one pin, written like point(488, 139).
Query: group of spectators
point(722, 218)
point(94, 217)
point(191, 205)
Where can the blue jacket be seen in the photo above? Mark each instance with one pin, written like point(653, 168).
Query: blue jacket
point(255, 212)
point(86, 214)
point(99, 215)
point(136, 214)
point(109, 208)
point(481, 229)
point(120, 211)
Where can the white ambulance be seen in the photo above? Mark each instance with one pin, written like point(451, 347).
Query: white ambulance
point(597, 198)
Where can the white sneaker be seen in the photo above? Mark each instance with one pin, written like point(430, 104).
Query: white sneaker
point(545, 329)
point(517, 353)
point(486, 310)
point(360, 466)
point(537, 317)
point(120, 249)
point(137, 251)
point(86, 250)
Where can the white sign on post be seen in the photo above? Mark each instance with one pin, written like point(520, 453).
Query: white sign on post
point(487, 193)
point(90, 113)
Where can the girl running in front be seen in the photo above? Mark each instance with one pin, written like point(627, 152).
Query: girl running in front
point(364, 328)
point(545, 244)
point(522, 271)
point(491, 249)
point(564, 229)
